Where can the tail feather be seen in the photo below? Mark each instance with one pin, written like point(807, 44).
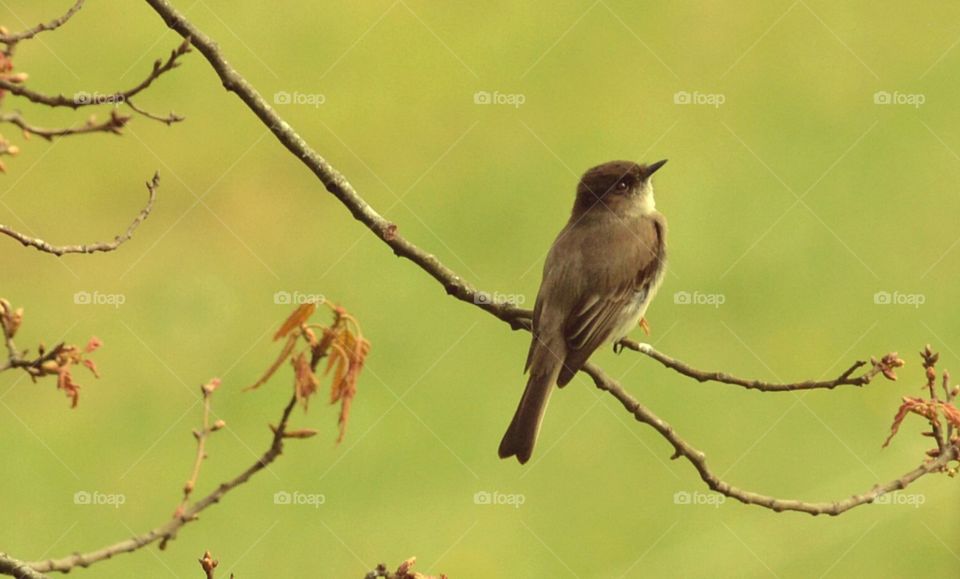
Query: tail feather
point(522, 433)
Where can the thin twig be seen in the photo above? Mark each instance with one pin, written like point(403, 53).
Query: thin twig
point(85, 99)
point(12, 39)
point(167, 120)
point(102, 246)
point(206, 429)
point(847, 378)
point(114, 124)
point(168, 531)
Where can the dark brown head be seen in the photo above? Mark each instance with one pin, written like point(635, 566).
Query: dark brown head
point(617, 186)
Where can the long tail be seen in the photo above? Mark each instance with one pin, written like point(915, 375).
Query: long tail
point(522, 433)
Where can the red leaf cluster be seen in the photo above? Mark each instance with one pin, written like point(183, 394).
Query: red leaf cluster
point(341, 343)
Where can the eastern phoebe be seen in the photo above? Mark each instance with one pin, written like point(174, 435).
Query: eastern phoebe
point(600, 275)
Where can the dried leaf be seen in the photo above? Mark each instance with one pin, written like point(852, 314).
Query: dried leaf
point(929, 409)
point(338, 360)
point(951, 413)
point(299, 316)
point(284, 354)
point(92, 367)
point(93, 344)
point(72, 389)
point(305, 381)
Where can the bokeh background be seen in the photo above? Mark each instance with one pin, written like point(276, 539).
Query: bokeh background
point(793, 198)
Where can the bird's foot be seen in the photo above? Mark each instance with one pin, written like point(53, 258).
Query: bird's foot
point(617, 347)
point(645, 326)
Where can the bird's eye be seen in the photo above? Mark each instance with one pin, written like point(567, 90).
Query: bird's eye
point(622, 186)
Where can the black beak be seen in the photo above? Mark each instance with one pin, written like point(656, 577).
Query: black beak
point(651, 169)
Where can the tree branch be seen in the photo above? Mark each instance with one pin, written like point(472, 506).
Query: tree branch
point(332, 179)
point(113, 125)
point(12, 39)
point(454, 285)
point(101, 246)
point(168, 531)
point(85, 99)
point(201, 435)
point(883, 366)
point(699, 461)
point(17, 568)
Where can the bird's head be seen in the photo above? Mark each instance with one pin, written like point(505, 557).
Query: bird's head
point(621, 187)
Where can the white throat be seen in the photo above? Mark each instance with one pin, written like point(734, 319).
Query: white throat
point(647, 204)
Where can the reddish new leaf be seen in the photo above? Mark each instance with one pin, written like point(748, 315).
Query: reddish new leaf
point(298, 317)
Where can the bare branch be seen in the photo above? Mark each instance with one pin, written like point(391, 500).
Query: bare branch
point(85, 99)
point(18, 569)
point(167, 120)
point(847, 378)
point(332, 179)
point(699, 461)
point(11, 320)
point(114, 124)
point(119, 240)
point(168, 531)
point(12, 39)
point(206, 429)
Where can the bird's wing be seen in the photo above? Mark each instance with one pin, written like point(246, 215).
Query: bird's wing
point(622, 283)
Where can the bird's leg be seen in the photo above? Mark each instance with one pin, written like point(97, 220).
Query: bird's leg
point(645, 326)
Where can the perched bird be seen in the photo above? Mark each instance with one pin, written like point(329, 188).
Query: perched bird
point(600, 275)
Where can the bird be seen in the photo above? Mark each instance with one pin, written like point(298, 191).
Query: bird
point(602, 271)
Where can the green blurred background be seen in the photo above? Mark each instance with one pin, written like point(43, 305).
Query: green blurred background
point(485, 188)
